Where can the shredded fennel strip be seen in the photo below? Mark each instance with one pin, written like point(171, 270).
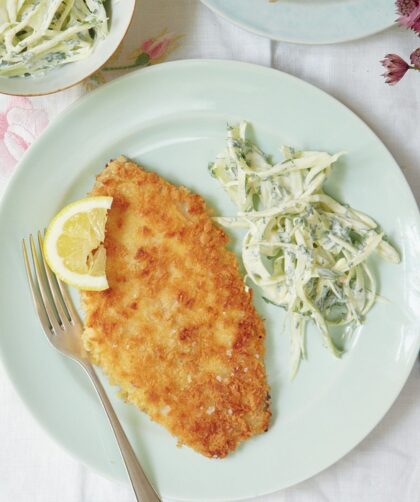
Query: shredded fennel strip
point(37, 35)
point(306, 251)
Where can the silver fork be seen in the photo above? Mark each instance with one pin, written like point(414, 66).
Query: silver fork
point(63, 327)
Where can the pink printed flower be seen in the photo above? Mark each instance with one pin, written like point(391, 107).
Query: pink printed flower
point(20, 124)
point(152, 51)
point(156, 48)
point(395, 68)
point(409, 11)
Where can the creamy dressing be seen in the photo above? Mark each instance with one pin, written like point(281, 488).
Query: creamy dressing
point(306, 251)
point(38, 35)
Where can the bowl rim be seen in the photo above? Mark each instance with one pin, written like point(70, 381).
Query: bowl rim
point(78, 81)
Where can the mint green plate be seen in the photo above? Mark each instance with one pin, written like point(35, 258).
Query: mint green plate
point(309, 21)
point(172, 118)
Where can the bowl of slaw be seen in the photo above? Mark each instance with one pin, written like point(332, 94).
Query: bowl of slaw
point(49, 45)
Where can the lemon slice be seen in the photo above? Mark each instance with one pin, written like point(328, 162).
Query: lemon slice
point(73, 244)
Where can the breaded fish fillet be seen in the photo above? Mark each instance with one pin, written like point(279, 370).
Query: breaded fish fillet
point(176, 329)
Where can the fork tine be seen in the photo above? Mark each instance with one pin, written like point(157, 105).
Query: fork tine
point(43, 288)
point(73, 315)
point(37, 300)
point(68, 302)
point(56, 294)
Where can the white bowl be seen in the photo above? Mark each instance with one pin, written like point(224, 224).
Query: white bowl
point(62, 77)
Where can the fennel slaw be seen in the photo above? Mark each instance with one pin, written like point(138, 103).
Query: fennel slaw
point(38, 35)
point(306, 251)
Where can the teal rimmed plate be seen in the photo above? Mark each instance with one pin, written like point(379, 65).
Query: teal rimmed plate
point(172, 118)
point(308, 21)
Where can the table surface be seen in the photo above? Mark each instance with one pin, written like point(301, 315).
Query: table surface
point(386, 465)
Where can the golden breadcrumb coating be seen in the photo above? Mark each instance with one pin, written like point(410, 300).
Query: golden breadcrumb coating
point(176, 330)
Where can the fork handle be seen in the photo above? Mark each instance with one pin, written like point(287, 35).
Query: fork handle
point(141, 485)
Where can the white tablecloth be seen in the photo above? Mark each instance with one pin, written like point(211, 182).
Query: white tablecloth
point(385, 467)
